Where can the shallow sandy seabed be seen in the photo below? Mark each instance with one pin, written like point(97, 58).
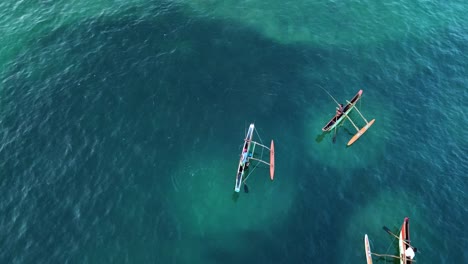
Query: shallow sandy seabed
point(205, 204)
point(331, 22)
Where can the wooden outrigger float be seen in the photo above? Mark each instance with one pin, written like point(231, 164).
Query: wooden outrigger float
point(344, 114)
point(406, 251)
point(247, 155)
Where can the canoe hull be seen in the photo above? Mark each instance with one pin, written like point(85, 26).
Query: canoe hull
point(404, 237)
point(244, 158)
point(337, 119)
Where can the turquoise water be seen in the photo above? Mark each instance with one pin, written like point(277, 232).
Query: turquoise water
point(121, 124)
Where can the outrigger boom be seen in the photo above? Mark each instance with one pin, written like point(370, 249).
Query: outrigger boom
point(247, 155)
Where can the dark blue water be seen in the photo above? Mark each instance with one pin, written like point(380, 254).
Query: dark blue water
point(120, 134)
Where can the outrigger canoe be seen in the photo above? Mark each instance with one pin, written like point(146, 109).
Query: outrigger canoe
point(404, 237)
point(247, 155)
point(346, 110)
point(338, 118)
point(244, 158)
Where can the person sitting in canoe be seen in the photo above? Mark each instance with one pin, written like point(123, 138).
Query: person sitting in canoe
point(409, 252)
point(339, 110)
point(244, 156)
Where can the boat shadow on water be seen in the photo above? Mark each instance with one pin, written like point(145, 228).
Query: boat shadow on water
point(321, 136)
point(235, 196)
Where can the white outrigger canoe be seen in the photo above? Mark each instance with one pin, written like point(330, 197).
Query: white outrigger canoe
point(247, 155)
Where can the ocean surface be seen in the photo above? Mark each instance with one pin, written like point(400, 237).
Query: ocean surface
point(121, 125)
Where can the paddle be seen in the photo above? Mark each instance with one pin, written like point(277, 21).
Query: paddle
point(391, 256)
point(390, 232)
point(334, 137)
point(246, 188)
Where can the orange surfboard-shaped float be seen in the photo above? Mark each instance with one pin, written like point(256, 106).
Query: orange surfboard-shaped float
point(360, 132)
